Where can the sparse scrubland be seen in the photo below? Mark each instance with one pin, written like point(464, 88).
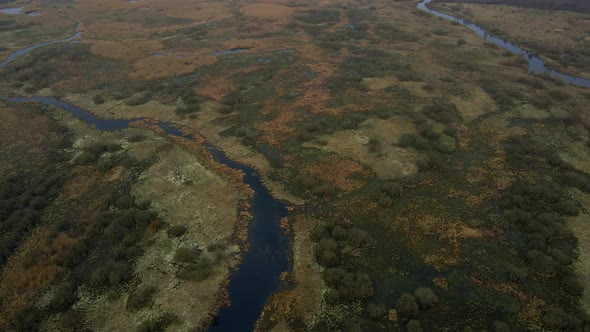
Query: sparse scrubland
point(434, 183)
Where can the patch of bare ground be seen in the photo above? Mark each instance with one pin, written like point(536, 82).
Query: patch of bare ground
point(304, 301)
point(390, 162)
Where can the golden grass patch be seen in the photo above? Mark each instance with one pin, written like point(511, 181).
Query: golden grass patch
point(390, 162)
point(477, 104)
point(125, 50)
point(267, 10)
point(195, 10)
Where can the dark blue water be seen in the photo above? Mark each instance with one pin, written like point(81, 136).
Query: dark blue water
point(268, 255)
point(87, 117)
point(12, 11)
point(259, 273)
point(536, 65)
point(229, 51)
point(16, 54)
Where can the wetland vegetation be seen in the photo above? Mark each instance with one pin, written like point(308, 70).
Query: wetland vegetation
point(430, 181)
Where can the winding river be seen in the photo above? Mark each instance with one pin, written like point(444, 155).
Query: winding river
point(268, 255)
point(536, 65)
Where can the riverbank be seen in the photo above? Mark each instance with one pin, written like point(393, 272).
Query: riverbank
point(558, 37)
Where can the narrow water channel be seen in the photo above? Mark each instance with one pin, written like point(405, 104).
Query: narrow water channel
point(17, 54)
point(536, 65)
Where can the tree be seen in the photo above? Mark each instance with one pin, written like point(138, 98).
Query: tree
point(426, 297)
point(407, 306)
point(414, 326)
point(376, 310)
point(177, 230)
point(326, 252)
point(98, 99)
point(500, 326)
point(64, 296)
point(141, 298)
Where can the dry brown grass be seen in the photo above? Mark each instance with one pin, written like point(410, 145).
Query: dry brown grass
point(337, 171)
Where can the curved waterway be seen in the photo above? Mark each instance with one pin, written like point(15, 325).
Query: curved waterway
point(536, 65)
point(16, 54)
point(258, 275)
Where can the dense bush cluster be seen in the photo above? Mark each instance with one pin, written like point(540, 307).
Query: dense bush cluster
point(347, 285)
point(22, 200)
point(331, 238)
point(327, 125)
point(437, 145)
point(390, 191)
point(141, 298)
point(193, 265)
point(537, 211)
point(192, 103)
point(92, 152)
point(314, 186)
point(442, 111)
point(320, 16)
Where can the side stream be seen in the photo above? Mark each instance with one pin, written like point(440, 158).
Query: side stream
point(536, 65)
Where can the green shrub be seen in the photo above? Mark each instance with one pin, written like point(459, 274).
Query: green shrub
point(138, 100)
point(111, 273)
point(407, 306)
point(136, 138)
point(326, 252)
point(572, 285)
point(374, 145)
point(500, 326)
point(28, 319)
point(392, 189)
point(348, 285)
point(376, 310)
point(197, 271)
point(320, 16)
point(359, 238)
point(98, 99)
point(64, 296)
point(324, 190)
point(426, 297)
point(414, 326)
point(186, 255)
point(177, 231)
point(515, 274)
point(86, 158)
point(140, 298)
